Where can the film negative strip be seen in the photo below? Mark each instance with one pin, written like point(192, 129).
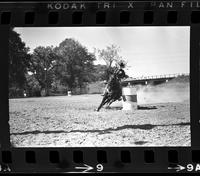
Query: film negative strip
point(100, 87)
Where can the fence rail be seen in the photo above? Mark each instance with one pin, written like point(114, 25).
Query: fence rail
point(158, 76)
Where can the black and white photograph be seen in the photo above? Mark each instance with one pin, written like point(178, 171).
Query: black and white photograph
point(99, 86)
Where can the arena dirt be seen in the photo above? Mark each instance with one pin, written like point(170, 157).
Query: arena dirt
point(162, 119)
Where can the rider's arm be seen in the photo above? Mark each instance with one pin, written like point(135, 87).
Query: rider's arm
point(124, 74)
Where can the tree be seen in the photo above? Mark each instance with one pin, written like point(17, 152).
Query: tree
point(111, 57)
point(18, 64)
point(99, 73)
point(75, 64)
point(43, 62)
point(33, 87)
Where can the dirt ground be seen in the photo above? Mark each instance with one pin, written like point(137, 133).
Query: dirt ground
point(64, 121)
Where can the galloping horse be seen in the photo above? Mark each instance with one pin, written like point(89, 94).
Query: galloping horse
point(113, 91)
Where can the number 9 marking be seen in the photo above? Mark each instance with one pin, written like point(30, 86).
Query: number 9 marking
point(99, 167)
point(190, 167)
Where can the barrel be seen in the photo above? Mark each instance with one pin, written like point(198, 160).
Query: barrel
point(69, 93)
point(129, 96)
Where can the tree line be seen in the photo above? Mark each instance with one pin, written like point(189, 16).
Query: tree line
point(49, 70)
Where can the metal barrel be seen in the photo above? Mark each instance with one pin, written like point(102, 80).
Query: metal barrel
point(69, 93)
point(129, 96)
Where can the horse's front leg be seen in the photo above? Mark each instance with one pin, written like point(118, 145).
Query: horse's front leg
point(103, 102)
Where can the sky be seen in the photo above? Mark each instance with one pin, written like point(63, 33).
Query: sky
point(149, 51)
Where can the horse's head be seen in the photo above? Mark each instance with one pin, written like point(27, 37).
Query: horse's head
point(113, 81)
point(117, 77)
point(114, 77)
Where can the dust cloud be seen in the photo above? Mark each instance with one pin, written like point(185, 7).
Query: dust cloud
point(163, 93)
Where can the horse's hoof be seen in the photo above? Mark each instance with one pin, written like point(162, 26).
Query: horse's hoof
point(96, 110)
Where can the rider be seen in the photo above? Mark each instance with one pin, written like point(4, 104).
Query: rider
point(120, 73)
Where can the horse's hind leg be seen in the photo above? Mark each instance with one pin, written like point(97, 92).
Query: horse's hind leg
point(113, 100)
point(110, 102)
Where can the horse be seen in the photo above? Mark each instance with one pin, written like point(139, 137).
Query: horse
point(113, 91)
